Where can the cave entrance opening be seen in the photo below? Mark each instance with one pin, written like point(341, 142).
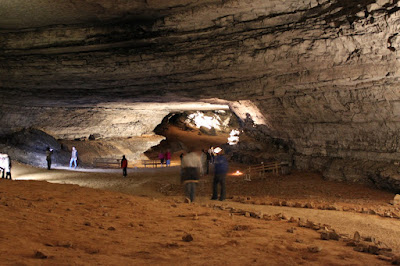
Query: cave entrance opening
point(239, 128)
point(198, 130)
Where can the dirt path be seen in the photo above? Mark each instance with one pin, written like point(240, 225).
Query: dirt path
point(53, 224)
point(150, 182)
point(386, 230)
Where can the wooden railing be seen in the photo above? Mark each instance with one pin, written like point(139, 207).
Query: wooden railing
point(261, 169)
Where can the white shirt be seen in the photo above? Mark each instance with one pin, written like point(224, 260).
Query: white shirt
point(192, 159)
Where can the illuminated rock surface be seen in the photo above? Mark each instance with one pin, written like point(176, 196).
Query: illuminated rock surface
point(324, 74)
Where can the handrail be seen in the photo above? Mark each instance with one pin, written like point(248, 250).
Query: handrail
point(262, 168)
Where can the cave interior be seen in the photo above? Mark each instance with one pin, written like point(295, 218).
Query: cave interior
point(313, 83)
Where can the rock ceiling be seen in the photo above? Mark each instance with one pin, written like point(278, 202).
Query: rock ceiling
point(228, 49)
point(23, 14)
point(324, 73)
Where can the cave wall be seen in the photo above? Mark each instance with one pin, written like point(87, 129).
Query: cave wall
point(323, 73)
point(81, 122)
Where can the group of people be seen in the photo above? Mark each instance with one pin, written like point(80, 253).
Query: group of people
point(165, 158)
point(73, 160)
point(193, 166)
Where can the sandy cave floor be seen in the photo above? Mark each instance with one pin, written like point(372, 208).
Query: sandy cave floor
point(143, 219)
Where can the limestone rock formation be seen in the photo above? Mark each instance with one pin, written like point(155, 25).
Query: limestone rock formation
point(320, 75)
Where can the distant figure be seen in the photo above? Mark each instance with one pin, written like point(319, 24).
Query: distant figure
point(5, 165)
point(220, 171)
point(161, 158)
point(212, 154)
point(206, 161)
point(74, 158)
point(8, 168)
point(49, 152)
point(181, 156)
point(191, 168)
point(124, 165)
point(167, 157)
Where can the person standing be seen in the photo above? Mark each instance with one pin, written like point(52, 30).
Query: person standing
point(49, 152)
point(191, 168)
point(206, 160)
point(124, 165)
point(74, 157)
point(212, 154)
point(220, 170)
point(8, 168)
point(167, 157)
point(161, 158)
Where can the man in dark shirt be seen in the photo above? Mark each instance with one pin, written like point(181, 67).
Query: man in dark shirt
point(220, 170)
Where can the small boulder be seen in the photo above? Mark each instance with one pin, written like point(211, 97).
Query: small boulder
point(357, 237)
point(94, 136)
point(334, 236)
point(309, 205)
point(361, 247)
point(396, 200)
point(87, 223)
point(351, 243)
point(314, 249)
point(324, 235)
point(187, 238)
point(40, 255)
point(302, 223)
point(372, 249)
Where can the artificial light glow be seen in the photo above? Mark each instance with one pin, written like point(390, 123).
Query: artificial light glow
point(237, 173)
point(233, 138)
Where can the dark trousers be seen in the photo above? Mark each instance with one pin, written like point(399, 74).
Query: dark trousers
point(190, 190)
point(219, 179)
point(8, 174)
point(48, 164)
point(124, 173)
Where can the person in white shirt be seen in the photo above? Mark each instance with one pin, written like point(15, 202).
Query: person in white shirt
point(191, 169)
point(74, 158)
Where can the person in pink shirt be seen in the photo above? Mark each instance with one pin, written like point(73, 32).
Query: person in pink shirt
point(161, 158)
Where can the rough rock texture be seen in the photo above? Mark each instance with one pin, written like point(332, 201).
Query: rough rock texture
point(29, 146)
point(324, 74)
point(103, 120)
point(79, 122)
